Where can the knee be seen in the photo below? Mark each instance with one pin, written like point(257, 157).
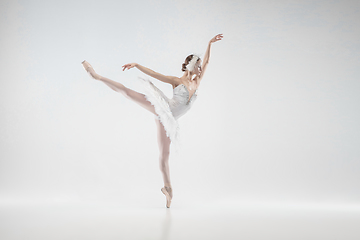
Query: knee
point(164, 153)
point(125, 92)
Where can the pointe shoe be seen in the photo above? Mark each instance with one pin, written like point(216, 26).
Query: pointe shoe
point(86, 65)
point(168, 197)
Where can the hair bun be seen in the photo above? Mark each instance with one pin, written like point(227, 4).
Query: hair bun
point(183, 67)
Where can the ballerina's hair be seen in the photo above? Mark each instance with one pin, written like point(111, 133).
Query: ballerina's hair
point(187, 61)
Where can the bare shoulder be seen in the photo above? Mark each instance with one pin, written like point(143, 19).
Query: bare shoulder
point(175, 81)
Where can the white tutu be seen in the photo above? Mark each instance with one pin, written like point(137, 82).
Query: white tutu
point(162, 107)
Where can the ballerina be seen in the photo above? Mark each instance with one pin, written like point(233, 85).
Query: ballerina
point(165, 110)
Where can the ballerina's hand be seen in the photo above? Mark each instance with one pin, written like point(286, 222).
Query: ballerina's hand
point(216, 38)
point(128, 66)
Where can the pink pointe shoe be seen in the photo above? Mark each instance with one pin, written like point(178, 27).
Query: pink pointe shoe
point(165, 191)
point(89, 69)
point(86, 65)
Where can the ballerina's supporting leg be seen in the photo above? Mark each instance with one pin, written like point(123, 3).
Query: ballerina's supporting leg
point(137, 97)
point(164, 149)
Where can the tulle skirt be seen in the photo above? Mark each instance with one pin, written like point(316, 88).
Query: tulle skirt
point(161, 104)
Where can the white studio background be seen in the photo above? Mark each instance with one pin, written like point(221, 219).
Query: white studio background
point(276, 118)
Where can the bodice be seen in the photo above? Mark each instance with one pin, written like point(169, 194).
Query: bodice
point(180, 103)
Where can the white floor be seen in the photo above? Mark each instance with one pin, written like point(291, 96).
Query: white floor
point(213, 221)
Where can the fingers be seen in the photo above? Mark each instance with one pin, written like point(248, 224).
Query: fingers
point(217, 38)
point(127, 66)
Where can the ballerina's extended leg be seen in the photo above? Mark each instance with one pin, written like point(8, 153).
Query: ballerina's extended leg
point(137, 97)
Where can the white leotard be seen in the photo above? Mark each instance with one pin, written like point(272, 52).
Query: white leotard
point(180, 103)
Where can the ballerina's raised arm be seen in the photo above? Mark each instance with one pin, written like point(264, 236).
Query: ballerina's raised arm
point(207, 54)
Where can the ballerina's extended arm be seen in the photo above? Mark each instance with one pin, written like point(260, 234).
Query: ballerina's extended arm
point(167, 79)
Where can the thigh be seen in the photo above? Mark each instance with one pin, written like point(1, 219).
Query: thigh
point(140, 99)
point(163, 140)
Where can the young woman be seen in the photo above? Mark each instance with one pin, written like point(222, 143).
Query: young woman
point(166, 110)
